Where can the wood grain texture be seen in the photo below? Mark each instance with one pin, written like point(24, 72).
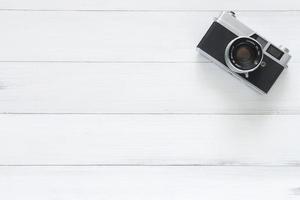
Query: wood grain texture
point(176, 183)
point(139, 88)
point(148, 105)
point(127, 36)
point(149, 140)
point(150, 5)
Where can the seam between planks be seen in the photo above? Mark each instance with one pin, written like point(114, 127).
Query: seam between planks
point(142, 10)
point(271, 113)
point(108, 62)
point(103, 62)
point(150, 165)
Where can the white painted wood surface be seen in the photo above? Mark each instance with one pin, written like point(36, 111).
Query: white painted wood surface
point(127, 36)
point(150, 5)
point(149, 140)
point(110, 100)
point(139, 88)
point(174, 183)
point(145, 83)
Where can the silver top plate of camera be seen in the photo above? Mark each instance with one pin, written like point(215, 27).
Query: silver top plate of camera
point(228, 20)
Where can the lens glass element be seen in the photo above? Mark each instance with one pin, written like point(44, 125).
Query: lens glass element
point(245, 54)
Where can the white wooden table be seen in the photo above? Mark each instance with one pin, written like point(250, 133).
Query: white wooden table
point(108, 99)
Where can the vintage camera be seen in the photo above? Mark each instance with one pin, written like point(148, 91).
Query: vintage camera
point(243, 53)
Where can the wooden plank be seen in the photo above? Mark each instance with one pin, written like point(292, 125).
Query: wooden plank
point(126, 36)
point(139, 88)
point(150, 5)
point(135, 183)
point(149, 140)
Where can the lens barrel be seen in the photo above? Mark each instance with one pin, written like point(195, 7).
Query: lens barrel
point(243, 55)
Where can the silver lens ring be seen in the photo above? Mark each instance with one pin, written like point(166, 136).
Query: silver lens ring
point(243, 55)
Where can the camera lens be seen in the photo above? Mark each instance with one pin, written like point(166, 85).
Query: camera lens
point(243, 55)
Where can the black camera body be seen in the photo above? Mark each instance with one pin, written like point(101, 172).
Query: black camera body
point(243, 53)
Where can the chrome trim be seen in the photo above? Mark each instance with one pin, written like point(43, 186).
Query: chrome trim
point(221, 65)
point(231, 66)
point(229, 21)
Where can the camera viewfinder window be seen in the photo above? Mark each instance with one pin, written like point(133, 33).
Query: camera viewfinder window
point(275, 52)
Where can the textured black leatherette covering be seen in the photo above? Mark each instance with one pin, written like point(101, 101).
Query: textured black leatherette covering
point(215, 42)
